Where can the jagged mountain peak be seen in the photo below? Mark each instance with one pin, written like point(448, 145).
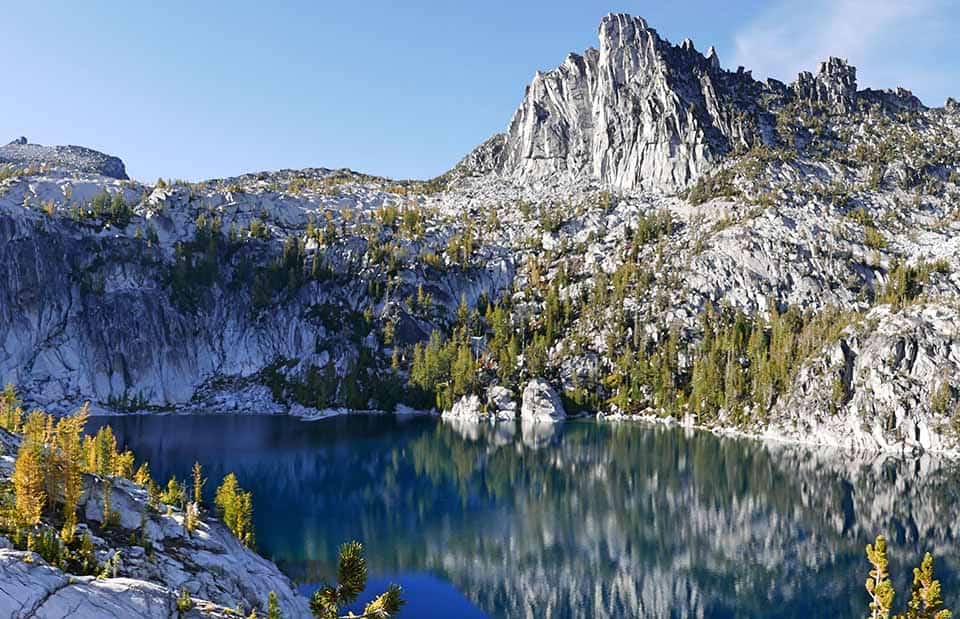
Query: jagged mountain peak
point(638, 110)
point(642, 112)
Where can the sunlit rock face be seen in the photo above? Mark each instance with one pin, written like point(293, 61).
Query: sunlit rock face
point(877, 388)
point(95, 311)
point(641, 112)
point(637, 112)
point(21, 153)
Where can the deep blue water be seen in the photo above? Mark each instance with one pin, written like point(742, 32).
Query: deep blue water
point(590, 520)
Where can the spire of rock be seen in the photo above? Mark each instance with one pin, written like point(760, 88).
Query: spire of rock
point(713, 58)
point(835, 86)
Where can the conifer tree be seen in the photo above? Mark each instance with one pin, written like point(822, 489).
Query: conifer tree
point(198, 482)
point(236, 509)
point(878, 584)
point(106, 449)
point(142, 476)
point(11, 414)
point(926, 601)
point(70, 451)
point(28, 486)
point(174, 494)
point(123, 464)
point(351, 581)
point(273, 606)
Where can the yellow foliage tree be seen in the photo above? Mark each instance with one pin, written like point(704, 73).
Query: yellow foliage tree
point(28, 486)
point(70, 453)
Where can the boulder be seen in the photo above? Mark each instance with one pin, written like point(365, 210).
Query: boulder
point(541, 403)
point(467, 408)
point(500, 403)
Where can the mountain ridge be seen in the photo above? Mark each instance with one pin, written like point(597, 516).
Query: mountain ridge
point(581, 118)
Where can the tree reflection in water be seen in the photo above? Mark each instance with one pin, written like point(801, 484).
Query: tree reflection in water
point(580, 519)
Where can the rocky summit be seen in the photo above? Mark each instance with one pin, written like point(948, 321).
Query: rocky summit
point(20, 154)
point(653, 236)
point(644, 113)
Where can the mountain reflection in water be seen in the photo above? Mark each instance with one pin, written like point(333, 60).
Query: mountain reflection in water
point(585, 519)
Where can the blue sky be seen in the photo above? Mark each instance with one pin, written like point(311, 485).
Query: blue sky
point(402, 89)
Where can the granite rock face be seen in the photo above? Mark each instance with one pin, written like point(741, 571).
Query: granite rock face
point(541, 403)
point(21, 154)
point(641, 112)
point(467, 408)
point(887, 385)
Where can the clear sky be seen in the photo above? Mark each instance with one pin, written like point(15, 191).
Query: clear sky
point(199, 90)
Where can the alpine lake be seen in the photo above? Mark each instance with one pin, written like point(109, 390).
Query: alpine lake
point(581, 519)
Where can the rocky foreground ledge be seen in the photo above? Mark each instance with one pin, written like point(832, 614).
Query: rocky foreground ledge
point(222, 576)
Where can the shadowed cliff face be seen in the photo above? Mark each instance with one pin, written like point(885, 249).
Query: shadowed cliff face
point(158, 312)
point(621, 520)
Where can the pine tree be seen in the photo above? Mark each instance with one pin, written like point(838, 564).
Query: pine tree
point(926, 601)
point(109, 516)
point(244, 530)
point(351, 581)
point(142, 476)
point(184, 601)
point(878, 583)
point(123, 464)
point(273, 606)
point(174, 494)
point(11, 414)
point(70, 451)
point(101, 452)
point(235, 507)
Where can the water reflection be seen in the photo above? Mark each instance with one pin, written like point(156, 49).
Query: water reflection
point(583, 519)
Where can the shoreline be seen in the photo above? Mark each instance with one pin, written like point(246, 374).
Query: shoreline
point(901, 452)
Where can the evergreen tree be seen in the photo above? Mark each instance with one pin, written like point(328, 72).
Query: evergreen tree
point(351, 581)
point(198, 483)
point(70, 451)
point(235, 507)
point(878, 585)
point(11, 414)
point(273, 606)
point(142, 476)
point(926, 601)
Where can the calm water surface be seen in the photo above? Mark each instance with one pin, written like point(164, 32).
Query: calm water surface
point(589, 520)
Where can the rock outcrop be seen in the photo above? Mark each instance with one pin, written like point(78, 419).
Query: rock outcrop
point(21, 154)
point(155, 558)
point(637, 112)
point(467, 408)
point(541, 403)
point(888, 384)
point(500, 403)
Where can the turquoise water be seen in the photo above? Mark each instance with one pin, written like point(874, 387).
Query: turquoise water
point(590, 520)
